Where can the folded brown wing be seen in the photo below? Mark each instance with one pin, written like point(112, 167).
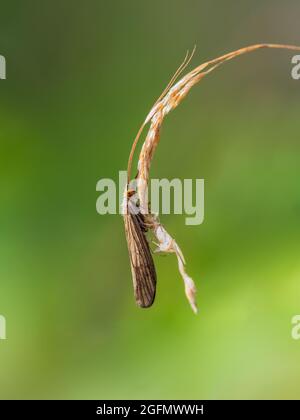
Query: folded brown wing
point(141, 261)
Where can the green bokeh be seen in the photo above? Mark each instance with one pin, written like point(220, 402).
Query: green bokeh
point(81, 76)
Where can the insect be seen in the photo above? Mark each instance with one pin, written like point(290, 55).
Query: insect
point(141, 261)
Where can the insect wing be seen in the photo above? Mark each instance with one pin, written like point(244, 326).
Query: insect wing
point(141, 261)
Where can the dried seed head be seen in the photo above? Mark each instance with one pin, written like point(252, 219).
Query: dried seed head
point(137, 243)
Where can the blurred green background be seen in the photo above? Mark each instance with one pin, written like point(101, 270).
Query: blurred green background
point(81, 77)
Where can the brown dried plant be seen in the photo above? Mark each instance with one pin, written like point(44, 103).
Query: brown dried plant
point(137, 216)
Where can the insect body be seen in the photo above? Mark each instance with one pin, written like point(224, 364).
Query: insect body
point(141, 261)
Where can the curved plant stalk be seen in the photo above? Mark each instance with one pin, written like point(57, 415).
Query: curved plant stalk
point(145, 279)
